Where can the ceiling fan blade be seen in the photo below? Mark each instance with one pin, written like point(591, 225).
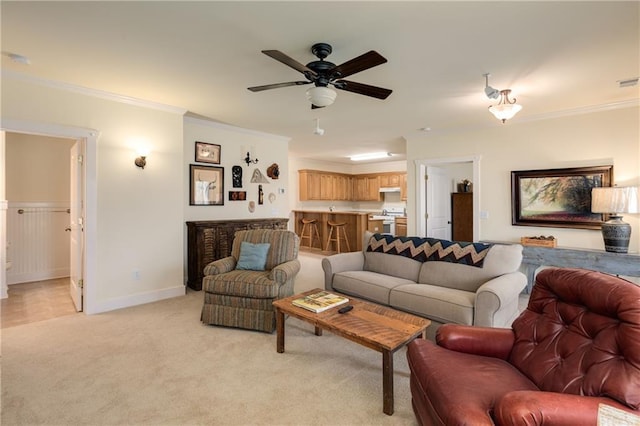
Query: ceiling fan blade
point(277, 85)
point(362, 89)
point(361, 63)
point(289, 61)
point(315, 106)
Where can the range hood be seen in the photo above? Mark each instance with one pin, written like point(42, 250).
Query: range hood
point(390, 189)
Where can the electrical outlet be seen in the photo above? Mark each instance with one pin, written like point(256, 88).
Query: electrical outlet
point(136, 275)
point(484, 214)
point(280, 190)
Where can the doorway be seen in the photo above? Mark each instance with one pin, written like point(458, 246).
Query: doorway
point(89, 194)
point(433, 195)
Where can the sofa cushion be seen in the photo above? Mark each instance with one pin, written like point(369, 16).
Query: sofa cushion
point(430, 249)
point(368, 285)
point(444, 305)
point(500, 260)
point(395, 266)
point(242, 283)
point(439, 377)
point(253, 257)
point(284, 244)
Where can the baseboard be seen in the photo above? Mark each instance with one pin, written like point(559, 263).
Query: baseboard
point(28, 277)
point(137, 299)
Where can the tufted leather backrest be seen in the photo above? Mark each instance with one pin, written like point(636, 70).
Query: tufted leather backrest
point(580, 334)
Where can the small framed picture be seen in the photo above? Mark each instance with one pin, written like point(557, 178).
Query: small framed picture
point(207, 153)
point(206, 185)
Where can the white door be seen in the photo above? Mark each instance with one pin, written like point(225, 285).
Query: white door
point(76, 226)
point(438, 200)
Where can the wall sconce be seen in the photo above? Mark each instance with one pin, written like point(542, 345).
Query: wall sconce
point(141, 160)
point(248, 159)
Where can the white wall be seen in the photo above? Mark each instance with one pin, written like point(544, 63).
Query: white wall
point(139, 212)
point(267, 148)
point(606, 137)
point(37, 168)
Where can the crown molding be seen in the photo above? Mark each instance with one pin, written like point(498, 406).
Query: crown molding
point(629, 103)
point(203, 121)
point(92, 92)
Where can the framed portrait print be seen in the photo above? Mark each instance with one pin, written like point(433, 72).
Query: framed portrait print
point(559, 198)
point(206, 185)
point(207, 153)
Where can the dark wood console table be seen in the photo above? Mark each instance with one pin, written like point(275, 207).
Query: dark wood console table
point(597, 260)
point(209, 240)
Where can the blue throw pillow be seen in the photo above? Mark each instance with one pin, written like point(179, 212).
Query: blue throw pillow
point(253, 256)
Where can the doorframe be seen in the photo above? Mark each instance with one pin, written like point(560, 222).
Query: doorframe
point(421, 190)
point(90, 139)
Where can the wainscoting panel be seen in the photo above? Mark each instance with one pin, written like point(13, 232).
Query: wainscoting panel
point(37, 243)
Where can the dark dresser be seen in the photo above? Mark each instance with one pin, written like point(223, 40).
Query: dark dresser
point(209, 240)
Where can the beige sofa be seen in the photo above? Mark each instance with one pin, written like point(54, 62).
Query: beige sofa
point(444, 281)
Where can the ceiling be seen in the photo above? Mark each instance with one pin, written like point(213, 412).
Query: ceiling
point(201, 56)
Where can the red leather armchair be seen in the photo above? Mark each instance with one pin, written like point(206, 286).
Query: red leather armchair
point(577, 345)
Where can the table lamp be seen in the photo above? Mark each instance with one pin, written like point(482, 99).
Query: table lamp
point(614, 200)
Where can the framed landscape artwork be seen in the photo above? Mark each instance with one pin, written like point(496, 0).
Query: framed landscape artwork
point(207, 153)
point(206, 185)
point(559, 198)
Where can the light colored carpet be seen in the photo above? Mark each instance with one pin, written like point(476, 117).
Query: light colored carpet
point(156, 364)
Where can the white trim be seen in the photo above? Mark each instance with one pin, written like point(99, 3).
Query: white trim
point(3, 249)
point(630, 103)
point(139, 299)
point(421, 187)
point(93, 92)
point(230, 128)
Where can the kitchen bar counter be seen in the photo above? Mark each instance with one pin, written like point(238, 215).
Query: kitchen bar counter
point(356, 225)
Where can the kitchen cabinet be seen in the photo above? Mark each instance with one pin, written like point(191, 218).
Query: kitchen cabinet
point(366, 188)
point(331, 186)
point(390, 180)
point(375, 226)
point(462, 216)
point(342, 188)
point(309, 185)
point(401, 226)
point(327, 186)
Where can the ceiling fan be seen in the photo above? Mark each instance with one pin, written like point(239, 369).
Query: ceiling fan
point(324, 73)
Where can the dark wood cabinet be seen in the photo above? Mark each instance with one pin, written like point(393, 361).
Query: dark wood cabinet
point(462, 216)
point(210, 240)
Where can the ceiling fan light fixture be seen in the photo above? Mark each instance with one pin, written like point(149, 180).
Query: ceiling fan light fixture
point(321, 96)
point(506, 108)
point(370, 156)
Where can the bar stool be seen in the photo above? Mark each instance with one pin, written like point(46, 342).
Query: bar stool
point(341, 233)
point(311, 226)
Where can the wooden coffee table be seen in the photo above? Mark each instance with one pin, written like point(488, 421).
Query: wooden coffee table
point(377, 327)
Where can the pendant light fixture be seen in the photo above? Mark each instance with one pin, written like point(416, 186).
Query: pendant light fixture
point(507, 108)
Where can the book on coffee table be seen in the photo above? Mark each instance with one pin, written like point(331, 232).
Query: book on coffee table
point(319, 302)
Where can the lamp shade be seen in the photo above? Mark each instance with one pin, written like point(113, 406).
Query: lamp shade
point(614, 199)
point(321, 96)
point(505, 112)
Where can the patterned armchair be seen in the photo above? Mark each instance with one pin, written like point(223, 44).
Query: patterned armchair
point(243, 297)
